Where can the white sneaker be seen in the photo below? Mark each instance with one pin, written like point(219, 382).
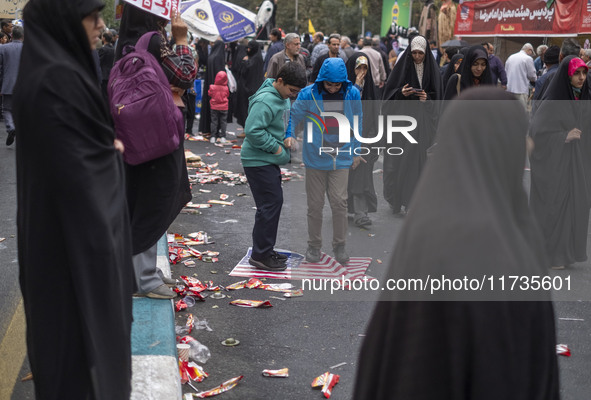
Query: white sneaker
point(223, 140)
point(212, 140)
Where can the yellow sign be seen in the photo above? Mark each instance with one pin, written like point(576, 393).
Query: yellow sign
point(12, 9)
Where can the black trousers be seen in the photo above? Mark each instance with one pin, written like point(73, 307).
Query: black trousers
point(189, 99)
point(265, 185)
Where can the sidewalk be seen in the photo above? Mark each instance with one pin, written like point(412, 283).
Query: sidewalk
point(153, 344)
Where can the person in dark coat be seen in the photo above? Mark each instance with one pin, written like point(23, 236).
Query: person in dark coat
point(412, 89)
point(216, 62)
point(561, 164)
point(158, 189)
point(249, 76)
point(452, 68)
point(74, 243)
point(474, 71)
point(106, 56)
point(470, 211)
point(362, 194)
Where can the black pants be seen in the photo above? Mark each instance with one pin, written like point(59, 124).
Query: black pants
point(189, 99)
point(219, 123)
point(265, 185)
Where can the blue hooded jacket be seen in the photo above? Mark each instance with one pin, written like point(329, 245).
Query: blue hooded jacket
point(309, 105)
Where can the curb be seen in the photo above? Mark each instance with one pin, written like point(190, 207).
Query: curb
point(155, 372)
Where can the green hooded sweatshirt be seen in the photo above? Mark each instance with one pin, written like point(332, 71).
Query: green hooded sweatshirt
point(268, 116)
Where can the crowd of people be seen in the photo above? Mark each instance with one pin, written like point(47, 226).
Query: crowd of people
point(460, 166)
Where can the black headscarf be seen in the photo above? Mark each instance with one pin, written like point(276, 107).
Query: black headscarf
point(467, 78)
point(134, 23)
point(449, 350)
point(450, 70)
point(404, 72)
point(85, 7)
point(76, 284)
point(368, 92)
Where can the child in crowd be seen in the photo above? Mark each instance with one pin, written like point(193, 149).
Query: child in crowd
point(219, 93)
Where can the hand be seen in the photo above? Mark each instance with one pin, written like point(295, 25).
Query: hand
point(178, 29)
point(289, 142)
point(422, 95)
point(407, 90)
point(119, 146)
point(356, 161)
point(245, 58)
point(360, 76)
point(574, 134)
point(279, 151)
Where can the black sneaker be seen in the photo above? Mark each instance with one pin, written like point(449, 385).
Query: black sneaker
point(270, 263)
point(10, 138)
point(280, 256)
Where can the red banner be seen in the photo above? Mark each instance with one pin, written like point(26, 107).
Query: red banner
point(523, 18)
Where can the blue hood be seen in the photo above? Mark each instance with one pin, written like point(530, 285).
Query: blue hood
point(333, 70)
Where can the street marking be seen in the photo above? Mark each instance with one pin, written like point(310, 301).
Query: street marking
point(13, 350)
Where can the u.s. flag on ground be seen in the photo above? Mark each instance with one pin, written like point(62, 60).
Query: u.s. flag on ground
point(298, 268)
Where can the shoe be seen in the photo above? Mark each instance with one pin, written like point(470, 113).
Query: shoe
point(223, 140)
point(212, 140)
point(363, 222)
point(279, 256)
point(161, 292)
point(341, 255)
point(241, 135)
point(313, 254)
point(270, 263)
point(10, 138)
point(169, 281)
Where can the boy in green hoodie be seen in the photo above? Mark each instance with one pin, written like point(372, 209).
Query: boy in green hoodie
point(263, 150)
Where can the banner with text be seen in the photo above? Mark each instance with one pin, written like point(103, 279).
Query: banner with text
point(12, 9)
point(161, 8)
point(523, 18)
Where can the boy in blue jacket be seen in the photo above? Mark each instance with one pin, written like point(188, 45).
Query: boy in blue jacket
point(264, 149)
point(328, 155)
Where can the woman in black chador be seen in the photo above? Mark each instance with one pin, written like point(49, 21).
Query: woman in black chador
point(249, 76)
point(158, 189)
point(561, 164)
point(74, 244)
point(474, 71)
point(411, 90)
point(469, 218)
point(362, 195)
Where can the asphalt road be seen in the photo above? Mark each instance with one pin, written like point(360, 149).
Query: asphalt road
point(306, 336)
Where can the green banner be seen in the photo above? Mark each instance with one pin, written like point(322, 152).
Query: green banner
point(395, 10)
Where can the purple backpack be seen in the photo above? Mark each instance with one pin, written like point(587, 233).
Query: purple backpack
point(146, 119)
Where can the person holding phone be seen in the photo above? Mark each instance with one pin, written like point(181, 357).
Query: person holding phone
point(415, 77)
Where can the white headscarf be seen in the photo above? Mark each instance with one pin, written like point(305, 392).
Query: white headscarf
point(419, 43)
